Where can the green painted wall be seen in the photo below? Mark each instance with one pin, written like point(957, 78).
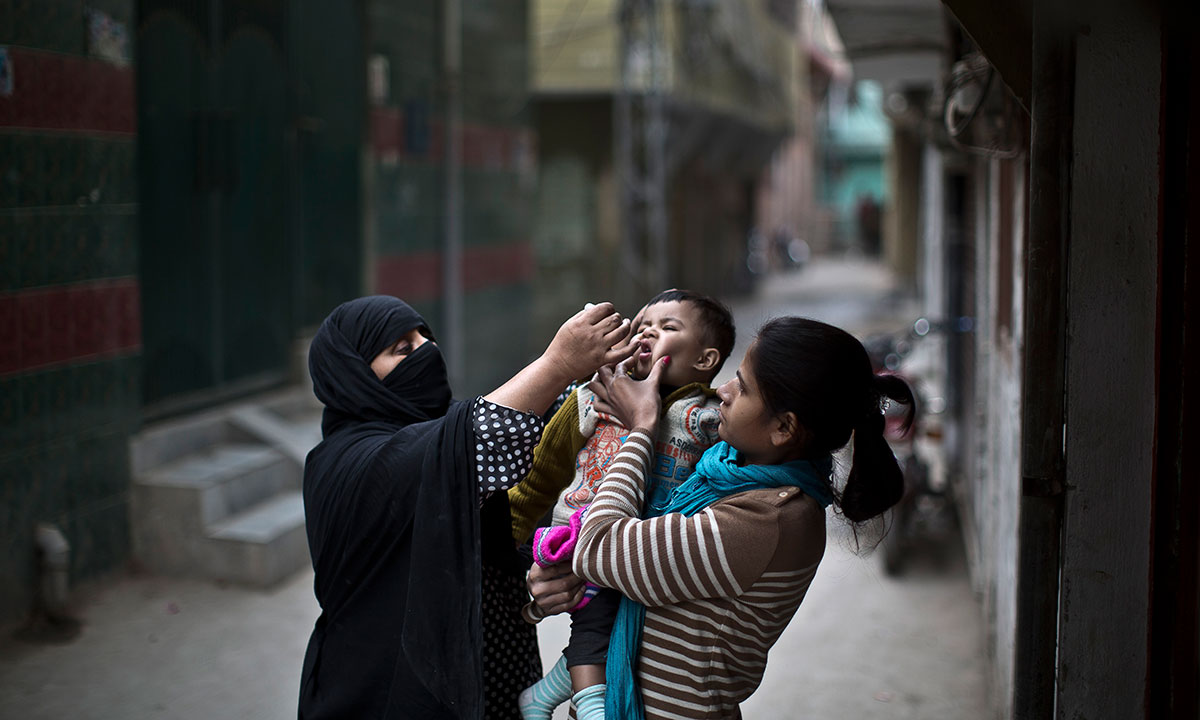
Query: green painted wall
point(71, 202)
point(70, 366)
point(406, 212)
point(574, 241)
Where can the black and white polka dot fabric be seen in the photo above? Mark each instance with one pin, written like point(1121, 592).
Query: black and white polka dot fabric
point(511, 661)
point(504, 442)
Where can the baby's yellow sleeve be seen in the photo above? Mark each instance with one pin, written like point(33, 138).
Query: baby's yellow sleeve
point(553, 468)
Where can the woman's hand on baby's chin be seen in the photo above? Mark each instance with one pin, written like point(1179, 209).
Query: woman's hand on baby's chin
point(636, 403)
point(595, 336)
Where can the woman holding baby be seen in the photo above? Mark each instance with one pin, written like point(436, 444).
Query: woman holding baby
point(399, 493)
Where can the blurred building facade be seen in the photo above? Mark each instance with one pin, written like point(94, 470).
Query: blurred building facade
point(416, 201)
point(187, 187)
point(793, 191)
point(854, 148)
point(733, 83)
point(1042, 160)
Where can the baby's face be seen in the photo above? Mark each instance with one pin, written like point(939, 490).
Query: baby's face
point(671, 328)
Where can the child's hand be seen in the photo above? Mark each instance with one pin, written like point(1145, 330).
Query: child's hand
point(600, 402)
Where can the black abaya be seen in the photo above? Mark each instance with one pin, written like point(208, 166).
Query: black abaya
point(391, 503)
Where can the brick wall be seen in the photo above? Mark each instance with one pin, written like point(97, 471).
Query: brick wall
point(70, 332)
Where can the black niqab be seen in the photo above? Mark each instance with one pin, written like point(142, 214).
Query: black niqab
point(391, 509)
point(339, 361)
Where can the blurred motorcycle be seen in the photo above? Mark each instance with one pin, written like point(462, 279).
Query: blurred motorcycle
point(926, 516)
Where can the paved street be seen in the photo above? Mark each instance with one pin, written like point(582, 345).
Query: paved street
point(862, 646)
point(166, 648)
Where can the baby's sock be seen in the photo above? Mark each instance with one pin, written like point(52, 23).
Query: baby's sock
point(538, 701)
point(589, 702)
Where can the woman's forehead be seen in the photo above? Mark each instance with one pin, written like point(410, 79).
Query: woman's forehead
point(745, 370)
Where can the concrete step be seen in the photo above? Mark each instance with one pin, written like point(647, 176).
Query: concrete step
point(177, 507)
point(217, 494)
point(217, 481)
point(293, 433)
point(261, 545)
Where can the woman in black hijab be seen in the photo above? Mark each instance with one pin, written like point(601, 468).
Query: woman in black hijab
point(393, 498)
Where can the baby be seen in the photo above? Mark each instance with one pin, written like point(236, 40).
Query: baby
point(696, 333)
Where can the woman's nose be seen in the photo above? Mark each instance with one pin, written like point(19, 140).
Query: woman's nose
point(723, 392)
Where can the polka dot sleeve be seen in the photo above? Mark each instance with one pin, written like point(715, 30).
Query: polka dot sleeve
point(504, 442)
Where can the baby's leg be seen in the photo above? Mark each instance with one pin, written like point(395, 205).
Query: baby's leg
point(586, 675)
point(589, 702)
point(587, 683)
point(538, 701)
point(588, 651)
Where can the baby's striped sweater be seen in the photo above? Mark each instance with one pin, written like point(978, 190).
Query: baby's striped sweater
point(719, 587)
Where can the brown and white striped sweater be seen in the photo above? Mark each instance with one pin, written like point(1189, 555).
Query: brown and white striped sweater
point(719, 587)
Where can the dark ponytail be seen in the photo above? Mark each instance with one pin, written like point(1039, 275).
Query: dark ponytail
point(876, 482)
point(822, 374)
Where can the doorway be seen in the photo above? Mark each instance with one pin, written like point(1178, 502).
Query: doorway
point(250, 219)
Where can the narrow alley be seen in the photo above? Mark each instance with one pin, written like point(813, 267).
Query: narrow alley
point(997, 197)
point(862, 645)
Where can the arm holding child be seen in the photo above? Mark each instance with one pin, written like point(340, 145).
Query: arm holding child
point(673, 558)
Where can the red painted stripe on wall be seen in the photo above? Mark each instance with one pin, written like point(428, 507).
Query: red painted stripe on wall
point(412, 277)
point(387, 132)
point(493, 265)
point(489, 147)
point(418, 276)
point(52, 91)
point(69, 323)
point(494, 148)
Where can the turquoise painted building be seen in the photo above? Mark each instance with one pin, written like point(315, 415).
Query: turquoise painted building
point(855, 138)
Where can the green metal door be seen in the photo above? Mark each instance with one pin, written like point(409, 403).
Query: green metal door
point(235, 206)
point(176, 272)
point(251, 210)
point(328, 71)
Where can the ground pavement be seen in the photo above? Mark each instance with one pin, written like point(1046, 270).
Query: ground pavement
point(861, 646)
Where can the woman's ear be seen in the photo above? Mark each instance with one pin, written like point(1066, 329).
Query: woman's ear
point(786, 430)
point(708, 359)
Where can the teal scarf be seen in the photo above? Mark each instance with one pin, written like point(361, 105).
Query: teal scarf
point(717, 475)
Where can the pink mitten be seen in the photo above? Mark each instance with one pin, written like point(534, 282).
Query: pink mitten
point(552, 545)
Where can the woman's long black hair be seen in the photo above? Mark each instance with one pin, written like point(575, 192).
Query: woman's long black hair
point(822, 374)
